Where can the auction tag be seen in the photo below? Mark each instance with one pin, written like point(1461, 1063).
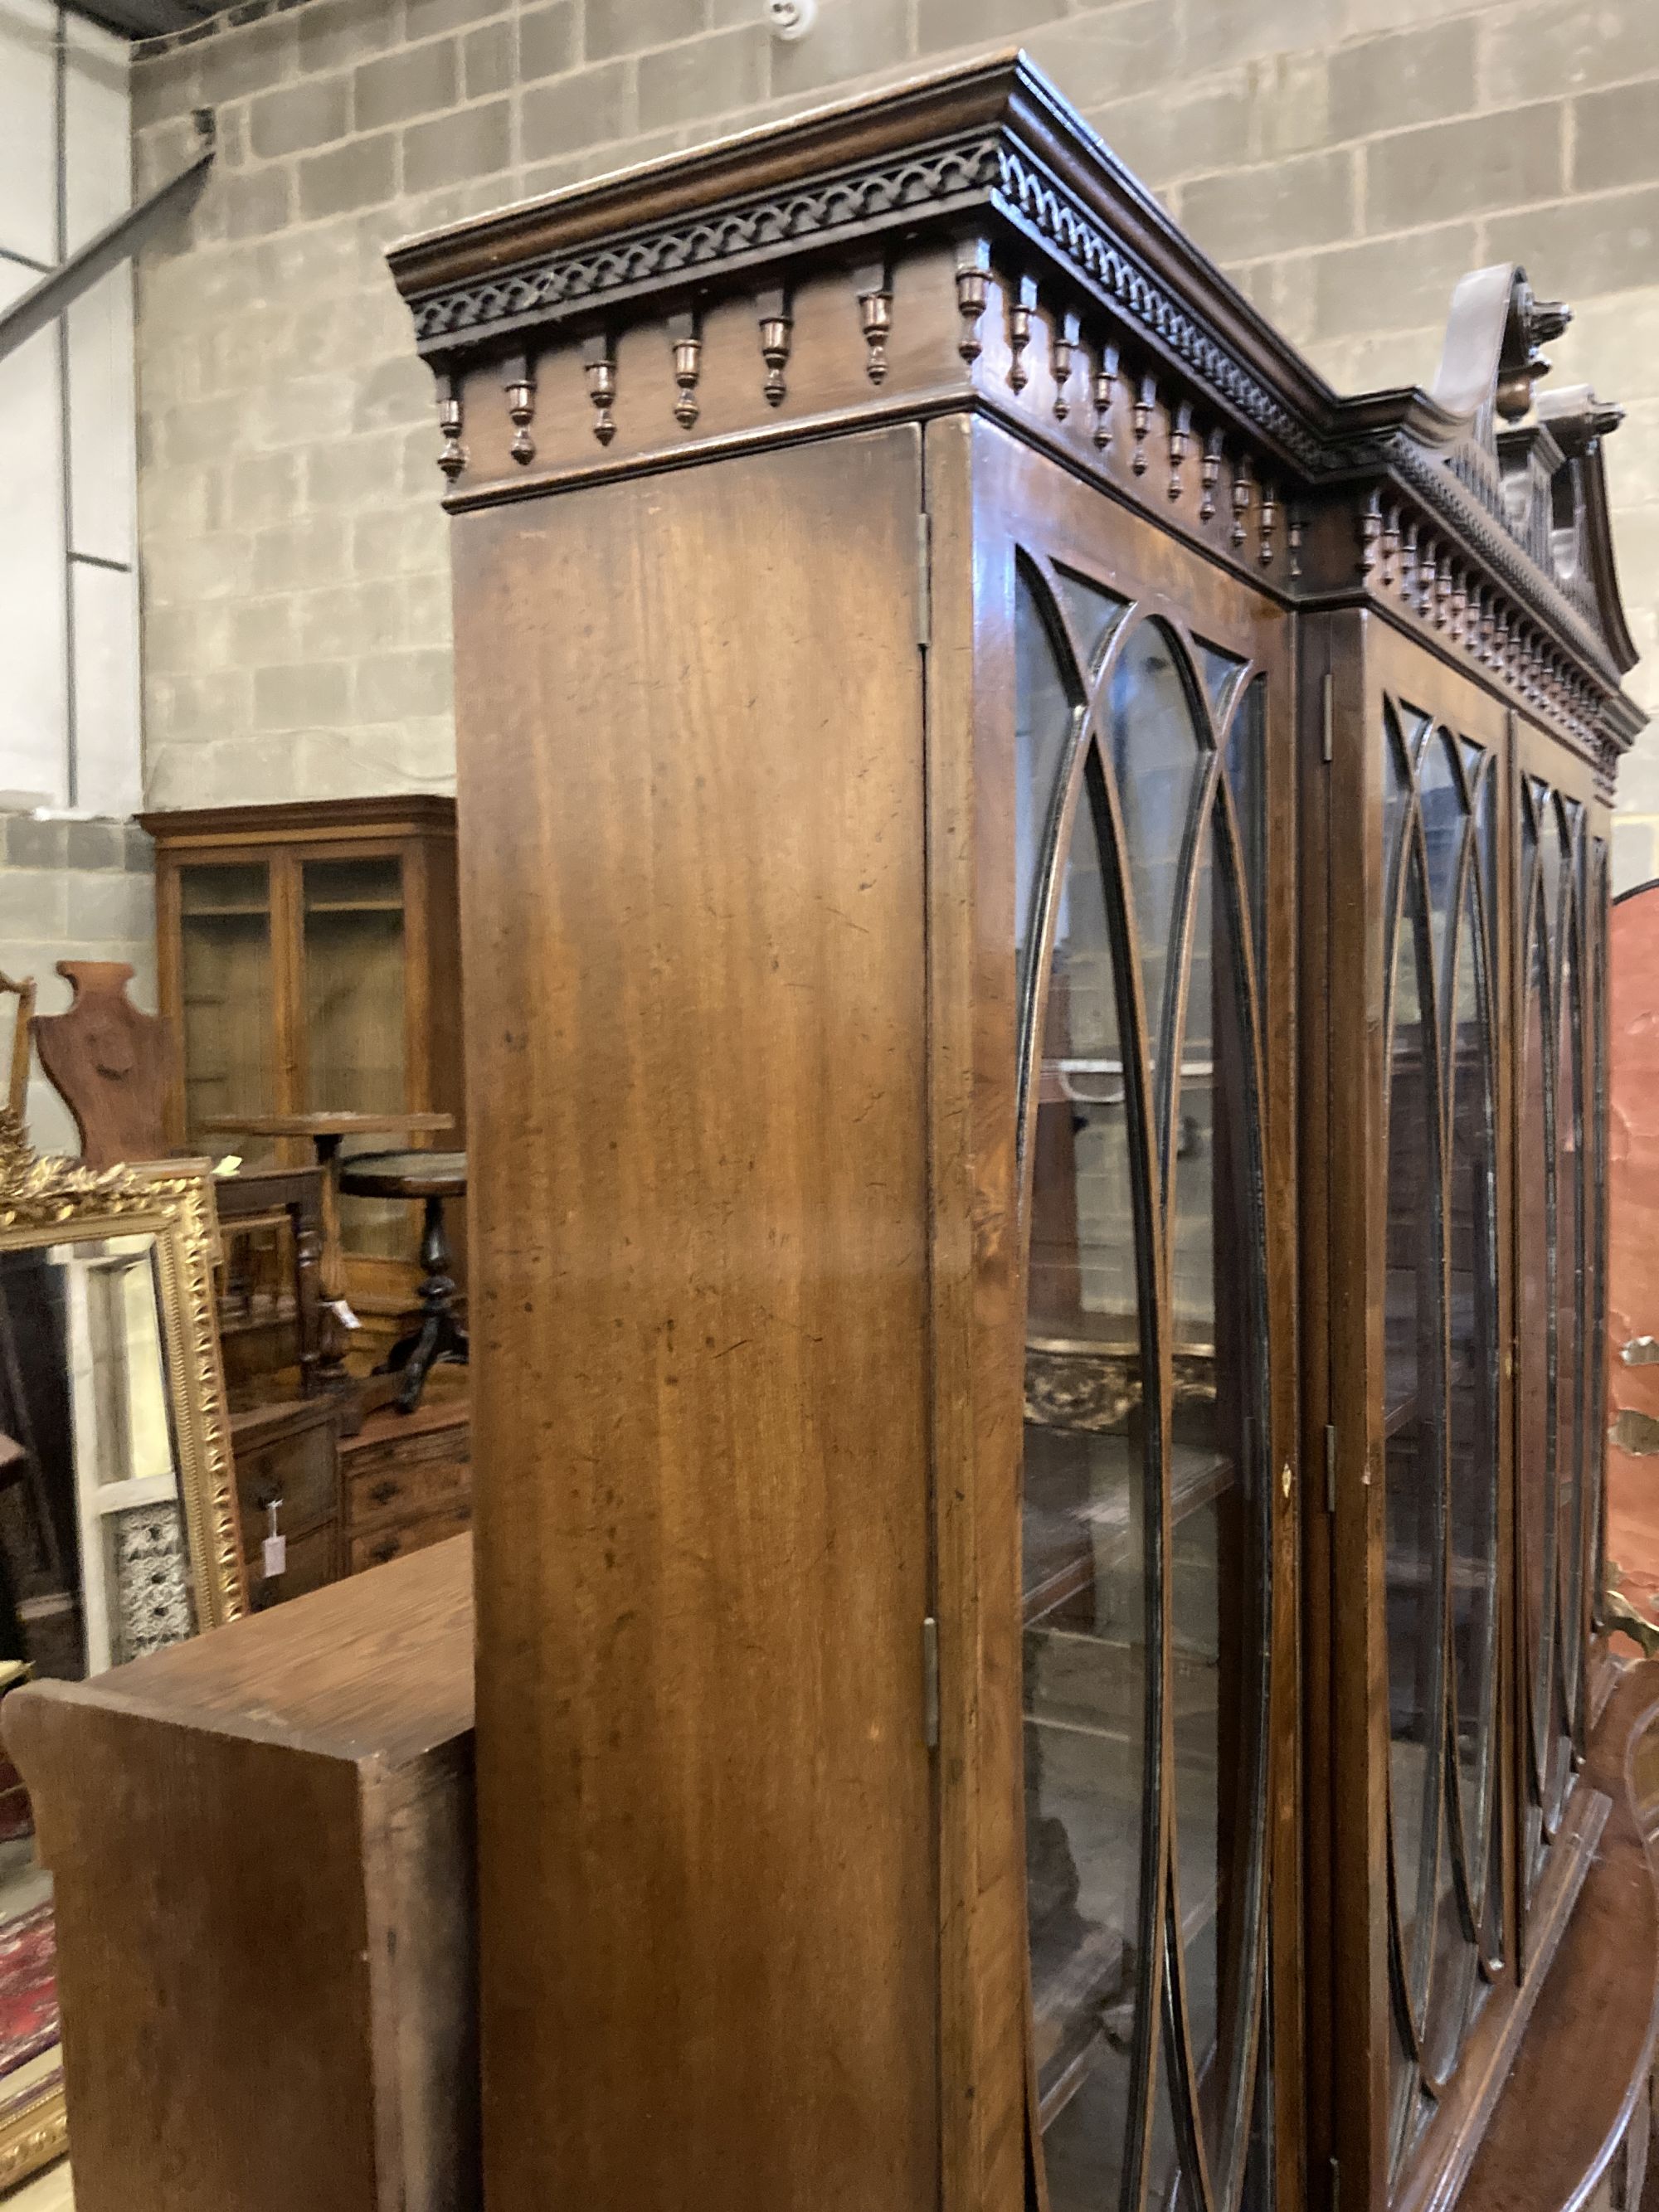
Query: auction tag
point(274, 1551)
point(344, 1313)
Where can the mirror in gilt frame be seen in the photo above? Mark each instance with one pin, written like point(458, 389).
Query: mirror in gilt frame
point(118, 1519)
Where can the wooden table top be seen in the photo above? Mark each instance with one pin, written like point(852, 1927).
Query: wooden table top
point(326, 1125)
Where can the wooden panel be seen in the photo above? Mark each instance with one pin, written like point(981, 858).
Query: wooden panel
point(977, 1316)
point(692, 802)
point(260, 1841)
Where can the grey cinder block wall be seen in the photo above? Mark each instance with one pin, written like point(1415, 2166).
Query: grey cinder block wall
point(1345, 160)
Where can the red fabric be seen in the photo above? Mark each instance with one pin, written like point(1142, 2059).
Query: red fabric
point(29, 1987)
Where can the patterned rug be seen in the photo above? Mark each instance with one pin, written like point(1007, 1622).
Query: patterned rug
point(29, 1987)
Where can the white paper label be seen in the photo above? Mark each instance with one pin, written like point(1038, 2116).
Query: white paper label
point(276, 1556)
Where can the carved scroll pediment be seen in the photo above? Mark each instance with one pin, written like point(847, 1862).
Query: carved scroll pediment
point(1531, 460)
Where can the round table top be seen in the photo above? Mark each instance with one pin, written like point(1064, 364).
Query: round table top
point(404, 1174)
point(327, 1125)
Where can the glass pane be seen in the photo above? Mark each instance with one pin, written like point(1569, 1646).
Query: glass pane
point(1218, 1492)
point(1452, 1974)
point(353, 924)
point(1396, 795)
point(224, 932)
point(1087, 1552)
point(1440, 799)
point(1414, 727)
point(1412, 1430)
point(1536, 1298)
point(1220, 672)
point(1569, 1233)
point(1155, 751)
point(1166, 2185)
point(1596, 1424)
point(1093, 613)
point(1261, 2175)
point(1043, 715)
point(1472, 1235)
point(1247, 778)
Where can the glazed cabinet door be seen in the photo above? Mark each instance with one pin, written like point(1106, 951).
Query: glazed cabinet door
point(1455, 871)
point(1134, 721)
point(1405, 898)
point(1560, 879)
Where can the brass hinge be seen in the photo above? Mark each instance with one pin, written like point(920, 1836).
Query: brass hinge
point(1327, 715)
point(924, 579)
point(930, 1683)
point(1330, 1467)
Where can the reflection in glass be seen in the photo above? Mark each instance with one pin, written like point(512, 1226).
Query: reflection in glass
point(92, 1567)
point(1396, 789)
point(1472, 1240)
point(1535, 1326)
point(1086, 1555)
point(1440, 803)
point(1220, 672)
point(1595, 1182)
point(1043, 713)
point(1093, 613)
point(1216, 1502)
point(1155, 752)
point(1569, 1220)
point(1247, 777)
point(224, 944)
point(1167, 2187)
point(1413, 1433)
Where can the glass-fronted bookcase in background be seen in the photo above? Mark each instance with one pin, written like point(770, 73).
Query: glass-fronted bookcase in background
point(309, 959)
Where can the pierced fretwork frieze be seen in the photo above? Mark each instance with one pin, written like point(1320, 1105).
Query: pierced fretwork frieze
point(1406, 562)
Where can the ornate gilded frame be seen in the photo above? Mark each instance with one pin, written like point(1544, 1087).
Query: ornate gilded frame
point(52, 1199)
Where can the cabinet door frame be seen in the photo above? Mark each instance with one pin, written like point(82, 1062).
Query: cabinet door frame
point(987, 495)
point(171, 866)
point(1366, 660)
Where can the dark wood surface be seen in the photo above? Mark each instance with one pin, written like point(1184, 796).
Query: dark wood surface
point(261, 1846)
point(650, 493)
point(110, 1063)
point(325, 1126)
point(698, 1146)
point(1586, 2059)
point(405, 1175)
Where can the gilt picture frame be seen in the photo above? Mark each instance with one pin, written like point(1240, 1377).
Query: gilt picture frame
point(50, 1202)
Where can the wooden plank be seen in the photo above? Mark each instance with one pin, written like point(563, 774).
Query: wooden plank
point(261, 1845)
point(692, 867)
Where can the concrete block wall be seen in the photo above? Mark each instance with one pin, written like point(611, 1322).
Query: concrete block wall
point(1345, 160)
